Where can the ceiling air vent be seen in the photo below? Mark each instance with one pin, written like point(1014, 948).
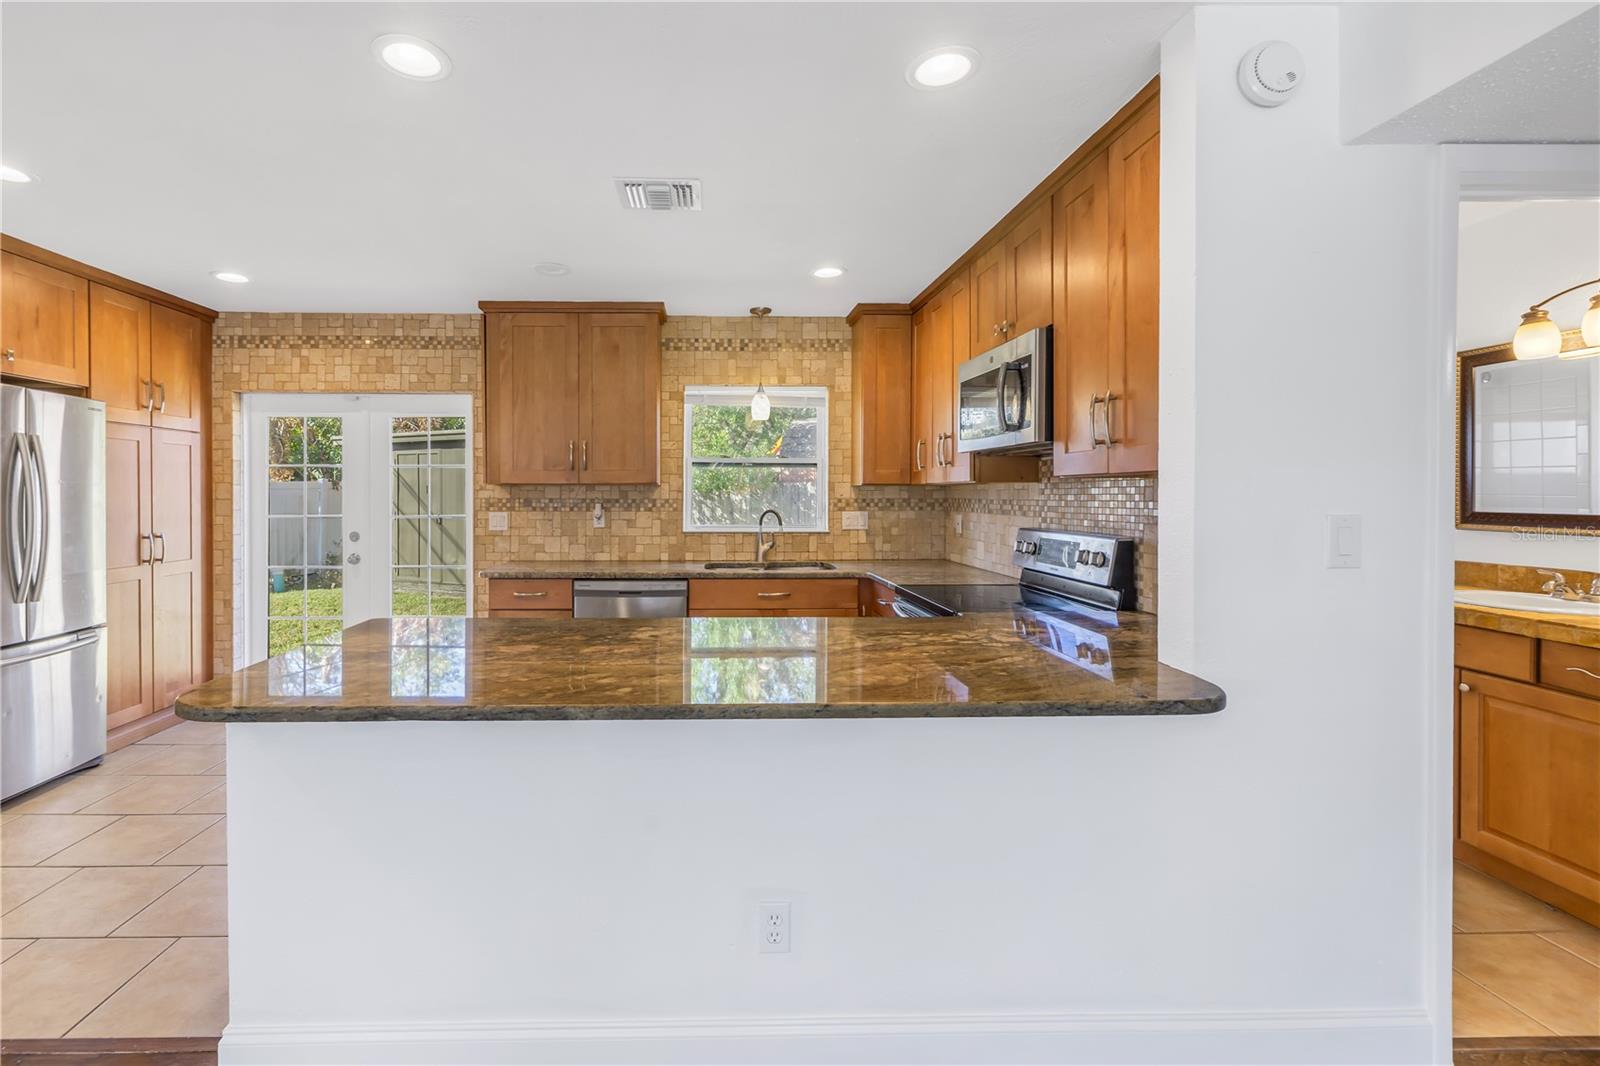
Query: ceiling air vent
point(659, 194)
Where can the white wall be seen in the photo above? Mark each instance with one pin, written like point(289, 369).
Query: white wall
point(1400, 54)
point(1511, 254)
point(1312, 267)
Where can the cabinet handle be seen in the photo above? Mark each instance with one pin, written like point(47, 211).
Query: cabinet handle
point(162, 406)
point(1094, 424)
point(950, 444)
point(1109, 397)
point(1464, 687)
point(149, 395)
point(146, 542)
point(529, 595)
point(571, 463)
point(1585, 673)
point(995, 332)
point(586, 455)
point(772, 595)
point(884, 603)
point(162, 537)
point(11, 355)
point(921, 443)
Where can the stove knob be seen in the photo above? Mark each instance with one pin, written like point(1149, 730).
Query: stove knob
point(1099, 559)
point(1022, 547)
point(1033, 547)
point(1083, 556)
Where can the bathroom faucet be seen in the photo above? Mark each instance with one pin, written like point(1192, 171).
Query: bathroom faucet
point(1557, 586)
point(764, 544)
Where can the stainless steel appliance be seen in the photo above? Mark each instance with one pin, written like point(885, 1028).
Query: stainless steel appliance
point(1004, 397)
point(1061, 570)
point(630, 599)
point(53, 608)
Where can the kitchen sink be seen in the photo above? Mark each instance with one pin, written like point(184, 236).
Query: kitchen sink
point(771, 566)
point(1527, 601)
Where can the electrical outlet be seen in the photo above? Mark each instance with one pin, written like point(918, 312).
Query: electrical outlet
point(499, 521)
point(853, 519)
point(772, 927)
point(599, 517)
point(958, 523)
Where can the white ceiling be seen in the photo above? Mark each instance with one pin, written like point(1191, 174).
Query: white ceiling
point(172, 140)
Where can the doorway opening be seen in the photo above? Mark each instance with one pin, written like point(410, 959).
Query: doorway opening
point(1526, 828)
point(356, 506)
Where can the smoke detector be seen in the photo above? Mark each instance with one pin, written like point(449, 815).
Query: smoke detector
point(659, 194)
point(1270, 73)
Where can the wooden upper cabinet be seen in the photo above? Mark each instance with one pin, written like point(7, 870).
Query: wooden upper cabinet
point(882, 397)
point(988, 281)
point(180, 354)
point(531, 398)
point(1027, 273)
point(619, 389)
point(1132, 411)
point(572, 397)
point(923, 468)
point(119, 354)
point(44, 322)
point(1080, 369)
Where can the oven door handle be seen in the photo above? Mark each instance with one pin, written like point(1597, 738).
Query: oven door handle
point(1005, 422)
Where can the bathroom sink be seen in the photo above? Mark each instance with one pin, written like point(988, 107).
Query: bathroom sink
point(1527, 601)
point(771, 566)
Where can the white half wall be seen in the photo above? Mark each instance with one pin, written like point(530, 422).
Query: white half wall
point(1309, 365)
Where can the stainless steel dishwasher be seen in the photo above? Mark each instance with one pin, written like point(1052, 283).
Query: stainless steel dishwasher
point(630, 599)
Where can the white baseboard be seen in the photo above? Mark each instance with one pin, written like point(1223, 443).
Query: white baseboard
point(1321, 1037)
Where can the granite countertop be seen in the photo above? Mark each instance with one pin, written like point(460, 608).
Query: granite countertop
point(1563, 628)
point(1003, 663)
point(894, 572)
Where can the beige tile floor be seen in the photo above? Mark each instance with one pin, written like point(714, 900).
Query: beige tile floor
point(113, 895)
point(1521, 968)
point(113, 912)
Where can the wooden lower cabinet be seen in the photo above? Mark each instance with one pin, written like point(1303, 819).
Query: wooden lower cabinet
point(529, 594)
point(156, 556)
point(506, 612)
point(1528, 786)
point(799, 596)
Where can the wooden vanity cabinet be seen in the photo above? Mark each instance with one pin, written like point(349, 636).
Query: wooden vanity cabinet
point(1528, 768)
point(44, 322)
point(572, 393)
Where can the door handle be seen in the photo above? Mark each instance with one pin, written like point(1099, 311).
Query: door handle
point(1094, 424)
point(162, 406)
point(19, 518)
point(162, 537)
point(586, 455)
point(950, 454)
point(147, 541)
point(772, 595)
point(529, 595)
point(571, 462)
point(1585, 673)
point(1109, 397)
point(1000, 397)
point(11, 355)
point(149, 395)
point(921, 444)
point(41, 525)
point(1464, 687)
point(353, 558)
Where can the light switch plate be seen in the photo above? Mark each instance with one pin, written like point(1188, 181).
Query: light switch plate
point(1344, 541)
point(499, 521)
point(853, 519)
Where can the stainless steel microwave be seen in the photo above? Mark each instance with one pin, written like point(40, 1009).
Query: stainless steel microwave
point(1005, 396)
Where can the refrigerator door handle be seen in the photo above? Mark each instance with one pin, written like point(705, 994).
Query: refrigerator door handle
point(19, 514)
point(42, 526)
point(43, 649)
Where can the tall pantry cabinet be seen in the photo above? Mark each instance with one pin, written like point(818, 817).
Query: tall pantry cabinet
point(147, 356)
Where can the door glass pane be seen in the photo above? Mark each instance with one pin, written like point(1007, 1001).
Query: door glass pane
point(305, 527)
point(428, 499)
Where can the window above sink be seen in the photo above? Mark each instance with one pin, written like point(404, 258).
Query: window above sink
point(735, 468)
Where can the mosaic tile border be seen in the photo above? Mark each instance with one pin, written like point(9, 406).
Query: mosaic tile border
point(240, 342)
point(797, 345)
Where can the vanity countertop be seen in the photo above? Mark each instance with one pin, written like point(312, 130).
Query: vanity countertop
point(990, 664)
point(1565, 629)
point(900, 572)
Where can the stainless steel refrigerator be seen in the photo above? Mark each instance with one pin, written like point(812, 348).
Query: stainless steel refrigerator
point(53, 609)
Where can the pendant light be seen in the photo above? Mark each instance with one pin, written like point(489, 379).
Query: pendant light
point(760, 403)
point(1538, 337)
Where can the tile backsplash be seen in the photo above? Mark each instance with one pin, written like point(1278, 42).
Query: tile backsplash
point(288, 352)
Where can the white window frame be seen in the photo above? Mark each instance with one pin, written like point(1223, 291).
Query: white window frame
point(780, 395)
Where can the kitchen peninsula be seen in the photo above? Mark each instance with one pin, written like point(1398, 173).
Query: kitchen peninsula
point(527, 797)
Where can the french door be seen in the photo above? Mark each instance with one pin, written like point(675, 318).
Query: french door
point(357, 506)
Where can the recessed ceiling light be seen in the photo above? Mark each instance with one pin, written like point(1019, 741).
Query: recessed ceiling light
point(230, 276)
point(411, 57)
point(13, 174)
point(942, 66)
point(827, 272)
point(552, 270)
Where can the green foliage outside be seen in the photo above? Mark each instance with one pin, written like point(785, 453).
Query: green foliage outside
point(735, 494)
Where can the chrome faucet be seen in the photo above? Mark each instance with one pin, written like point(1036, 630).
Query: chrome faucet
point(1557, 587)
point(764, 543)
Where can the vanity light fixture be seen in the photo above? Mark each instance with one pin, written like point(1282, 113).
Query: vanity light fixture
point(411, 57)
point(1538, 337)
point(940, 68)
point(232, 277)
point(827, 272)
point(13, 174)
